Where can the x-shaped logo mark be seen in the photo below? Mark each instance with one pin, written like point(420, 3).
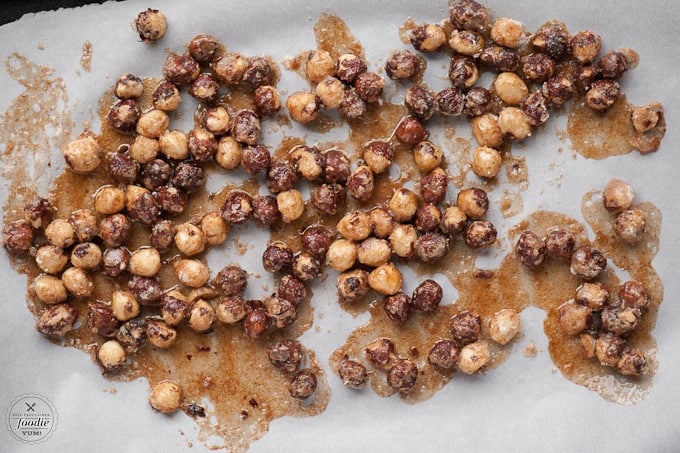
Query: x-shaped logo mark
point(30, 407)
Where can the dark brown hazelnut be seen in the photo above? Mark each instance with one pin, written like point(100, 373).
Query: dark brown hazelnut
point(237, 207)
point(444, 354)
point(303, 385)
point(410, 131)
point(633, 294)
point(552, 39)
point(468, 15)
point(536, 108)
point(146, 290)
point(352, 106)
point(277, 257)
point(587, 262)
point(38, 212)
point(202, 144)
point(162, 235)
point(427, 296)
point(419, 102)
point(353, 374)
point(115, 261)
point(281, 312)
point(246, 127)
point(428, 218)
point(255, 159)
point(584, 77)
point(619, 321)
point(398, 307)
point(180, 69)
point(349, 67)
point(115, 230)
point(204, 88)
point(499, 58)
point(100, 320)
point(286, 355)
point(121, 167)
point(402, 64)
point(433, 186)
point(316, 239)
point(402, 375)
point(142, 206)
point(123, 116)
point(450, 101)
point(465, 328)
point(336, 168)
point(232, 280)
point(480, 234)
point(431, 247)
point(188, 177)
point(612, 65)
point(380, 352)
point(559, 89)
point(538, 67)
point(132, 334)
point(18, 237)
point(291, 289)
point(258, 73)
point(477, 101)
point(559, 244)
point(156, 173)
point(171, 200)
point(256, 323)
point(530, 249)
point(267, 100)
point(265, 209)
point(360, 184)
point(203, 47)
point(57, 320)
point(463, 72)
point(281, 176)
point(369, 86)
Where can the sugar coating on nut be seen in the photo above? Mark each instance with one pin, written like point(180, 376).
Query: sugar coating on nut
point(166, 396)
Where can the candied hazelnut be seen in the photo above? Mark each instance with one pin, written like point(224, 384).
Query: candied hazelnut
point(145, 261)
point(50, 289)
point(463, 72)
point(427, 296)
point(281, 312)
point(374, 252)
point(281, 176)
point(166, 396)
point(428, 217)
point(331, 92)
point(402, 64)
point(465, 327)
point(141, 205)
point(303, 384)
point(632, 362)
point(603, 94)
point(608, 349)
point(398, 307)
point(352, 284)
point(349, 67)
point(444, 354)
point(171, 200)
point(156, 173)
point(78, 282)
point(402, 375)
point(584, 76)
point(231, 309)
point(587, 262)
point(303, 106)
point(202, 144)
point(121, 167)
point(361, 183)
point(369, 86)
point(378, 155)
point(468, 15)
point(382, 222)
point(237, 207)
point(620, 321)
point(630, 225)
point(431, 247)
point(644, 118)
point(466, 42)
point(132, 334)
point(453, 221)
point(419, 102)
point(203, 47)
point(514, 123)
point(530, 249)
point(474, 202)
point(487, 131)
point(265, 209)
point(617, 196)
point(558, 90)
point(433, 186)
point(486, 162)
point(410, 131)
point(504, 326)
point(51, 259)
point(151, 25)
point(204, 88)
point(83, 155)
point(201, 316)
point(449, 101)
point(498, 58)
point(536, 108)
point(86, 256)
point(538, 67)
point(507, 32)
point(57, 320)
point(192, 273)
point(128, 86)
point(305, 266)
point(552, 39)
point(403, 240)
point(380, 352)
point(115, 261)
point(477, 101)
point(585, 45)
point(256, 323)
point(230, 67)
point(60, 233)
point(38, 212)
point(180, 69)
point(174, 144)
point(160, 334)
point(174, 307)
point(100, 320)
point(403, 204)
point(124, 115)
point(320, 64)
point(510, 88)
point(111, 355)
point(633, 294)
point(153, 123)
point(592, 295)
point(427, 156)
point(428, 37)
point(246, 127)
point(229, 153)
point(612, 65)
point(316, 239)
point(480, 234)
point(559, 244)
point(328, 198)
point(277, 257)
point(166, 96)
point(307, 162)
point(355, 226)
point(267, 100)
point(352, 106)
point(146, 290)
point(474, 356)
point(259, 72)
point(574, 318)
point(231, 280)
point(385, 279)
point(353, 374)
point(290, 204)
point(124, 305)
point(336, 166)
point(286, 355)
point(255, 159)
point(291, 289)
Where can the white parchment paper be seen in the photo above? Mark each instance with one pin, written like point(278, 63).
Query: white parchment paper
point(522, 405)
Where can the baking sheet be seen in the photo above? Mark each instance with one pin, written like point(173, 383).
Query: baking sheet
point(524, 403)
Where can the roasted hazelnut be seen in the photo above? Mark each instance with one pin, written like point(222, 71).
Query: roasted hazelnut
point(633, 294)
point(166, 396)
point(230, 67)
point(171, 200)
point(201, 316)
point(474, 356)
point(499, 58)
point(82, 155)
point(277, 257)
point(465, 327)
point(428, 37)
point(410, 131)
point(100, 320)
point(160, 334)
point(585, 46)
point(231, 280)
point(644, 118)
point(361, 183)
point(156, 174)
point(587, 262)
point(265, 209)
point(141, 205)
point(111, 355)
point(538, 67)
point(202, 144)
point(292, 289)
point(50, 289)
point(353, 374)
point(214, 228)
point(608, 349)
point(286, 355)
point(374, 252)
point(514, 123)
point(166, 96)
point(57, 320)
point(147, 290)
point(369, 86)
point(115, 261)
point(449, 101)
point(203, 48)
point(355, 226)
point(132, 334)
point(204, 88)
point(342, 254)
point(380, 352)
point(507, 32)
point(431, 247)
point(352, 285)
point(504, 326)
point(632, 362)
point(466, 42)
point(385, 279)
point(402, 64)
point(382, 222)
point(307, 162)
point(617, 196)
point(419, 102)
point(128, 86)
point(228, 153)
point(38, 212)
point(267, 100)
point(124, 115)
point(530, 249)
point(352, 106)
point(86, 256)
point(303, 106)
point(174, 308)
point(78, 282)
point(281, 176)
point(303, 384)
point(378, 155)
point(256, 323)
point(453, 221)
point(320, 64)
point(552, 39)
point(402, 375)
point(620, 321)
point(403, 204)
point(427, 156)
point(305, 266)
point(612, 65)
point(480, 234)
point(174, 144)
point(255, 159)
point(427, 296)
point(290, 204)
point(258, 73)
point(574, 318)
point(584, 76)
point(316, 239)
point(153, 123)
point(444, 354)
point(60, 233)
point(349, 67)
point(477, 101)
point(237, 207)
point(331, 92)
point(180, 69)
point(145, 261)
point(403, 240)
point(592, 295)
point(51, 259)
point(336, 166)
point(121, 167)
point(536, 108)
point(231, 309)
point(468, 15)
point(486, 162)
point(246, 127)
point(630, 226)
point(433, 187)
point(281, 312)
point(487, 131)
point(603, 94)
point(428, 217)
point(192, 273)
point(559, 89)
point(510, 88)
point(559, 244)
point(474, 202)
point(463, 72)
point(151, 25)
point(124, 305)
